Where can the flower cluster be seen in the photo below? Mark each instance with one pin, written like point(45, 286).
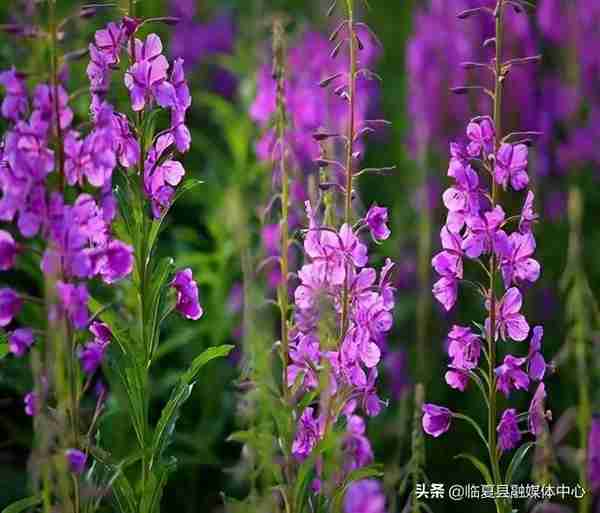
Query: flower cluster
point(476, 228)
point(333, 258)
point(150, 80)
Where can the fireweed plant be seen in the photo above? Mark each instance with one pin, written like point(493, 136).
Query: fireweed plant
point(477, 229)
point(90, 205)
point(333, 330)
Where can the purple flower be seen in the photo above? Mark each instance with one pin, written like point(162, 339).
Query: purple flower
point(511, 166)
point(15, 104)
point(445, 291)
point(528, 215)
point(517, 264)
point(537, 413)
point(77, 460)
point(457, 378)
point(308, 434)
point(436, 419)
point(376, 220)
point(10, 306)
point(593, 456)
point(509, 435)
point(304, 356)
point(464, 347)
point(449, 262)
point(161, 176)
point(481, 136)
point(115, 262)
point(464, 198)
point(92, 354)
point(8, 251)
point(147, 77)
point(536, 362)
point(31, 404)
point(364, 496)
point(109, 41)
point(188, 303)
point(44, 107)
point(483, 232)
point(356, 445)
point(180, 131)
point(20, 340)
point(510, 375)
point(509, 321)
point(74, 300)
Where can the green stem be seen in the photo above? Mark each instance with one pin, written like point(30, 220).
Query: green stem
point(349, 151)
point(580, 335)
point(283, 292)
point(497, 116)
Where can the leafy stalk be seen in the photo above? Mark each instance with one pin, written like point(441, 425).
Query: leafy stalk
point(497, 117)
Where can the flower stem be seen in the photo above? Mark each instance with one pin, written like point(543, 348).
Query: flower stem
point(349, 149)
point(580, 335)
point(283, 292)
point(497, 116)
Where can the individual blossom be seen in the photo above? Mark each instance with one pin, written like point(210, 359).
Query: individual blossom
point(180, 131)
point(74, 301)
point(356, 446)
point(537, 411)
point(511, 166)
point(77, 460)
point(376, 219)
point(528, 215)
point(364, 496)
point(510, 323)
point(517, 263)
point(511, 376)
point(146, 79)
point(91, 355)
point(536, 363)
point(481, 135)
point(161, 175)
point(115, 261)
point(463, 199)
point(483, 232)
point(16, 102)
point(308, 434)
point(10, 306)
point(188, 303)
point(509, 435)
point(464, 349)
point(436, 419)
point(31, 404)
point(44, 107)
point(20, 340)
point(305, 356)
point(8, 251)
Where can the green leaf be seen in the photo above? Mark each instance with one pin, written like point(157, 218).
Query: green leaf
point(179, 395)
point(475, 426)
point(3, 350)
point(124, 495)
point(22, 505)
point(479, 465)
point(516, 461)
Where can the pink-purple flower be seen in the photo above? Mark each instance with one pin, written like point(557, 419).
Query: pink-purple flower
point(188, 303)
point(509, 434)
point(20, 340)
point(436, 419)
